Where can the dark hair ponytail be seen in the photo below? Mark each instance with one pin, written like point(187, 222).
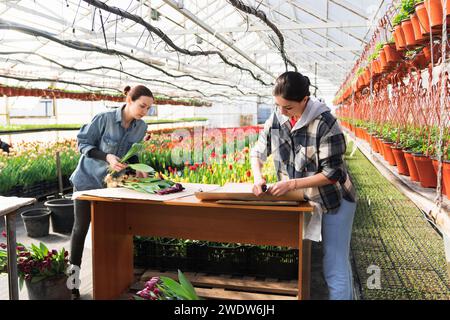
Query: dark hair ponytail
point(292, 86)
point(137, 92)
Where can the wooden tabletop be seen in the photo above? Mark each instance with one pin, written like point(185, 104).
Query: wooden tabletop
point(11, 204)
point(192, 201)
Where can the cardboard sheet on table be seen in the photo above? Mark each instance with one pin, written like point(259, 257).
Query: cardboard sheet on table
point(124, 193)
point(243, 191)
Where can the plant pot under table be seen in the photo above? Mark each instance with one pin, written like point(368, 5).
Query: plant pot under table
point(52, 288)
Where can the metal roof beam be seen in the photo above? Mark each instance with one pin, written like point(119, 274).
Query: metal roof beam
point(210, 30)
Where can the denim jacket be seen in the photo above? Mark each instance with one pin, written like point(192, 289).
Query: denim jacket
point(105, 133)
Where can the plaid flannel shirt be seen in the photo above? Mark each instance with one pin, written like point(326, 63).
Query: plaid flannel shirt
point(316, 147)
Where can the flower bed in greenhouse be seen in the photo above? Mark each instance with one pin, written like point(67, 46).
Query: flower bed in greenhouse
point(33, 165)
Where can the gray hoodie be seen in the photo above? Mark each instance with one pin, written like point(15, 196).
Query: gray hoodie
point(313, 109)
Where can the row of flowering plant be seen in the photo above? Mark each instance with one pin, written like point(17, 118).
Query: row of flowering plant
point(164, 288)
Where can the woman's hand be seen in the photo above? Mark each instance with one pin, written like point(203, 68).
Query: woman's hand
point(114, 162)
point(257, 185)
point(140, 174)
point(281, 188)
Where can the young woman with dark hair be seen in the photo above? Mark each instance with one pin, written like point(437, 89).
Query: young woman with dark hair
point(102, 143)
point(308, 146)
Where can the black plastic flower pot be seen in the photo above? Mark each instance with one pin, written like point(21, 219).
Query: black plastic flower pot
point(62, 216)
point(36, 222)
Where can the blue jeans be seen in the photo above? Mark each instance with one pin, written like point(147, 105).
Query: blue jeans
point(336, 235)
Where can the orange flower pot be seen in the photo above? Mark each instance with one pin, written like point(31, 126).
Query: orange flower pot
point(391, 53)
point(389, 155)
point(380, 147)
point(400, 39)
point(366, 76)
point(422, 15)
point(434, 8)
point(436, 168)
point(413, 174)
point(425, 170)
point(383, 61)
point(408, 32)
point(446, 176)
point(374, 145)
point(417, 29)
point(400, 160)
point(420, 61)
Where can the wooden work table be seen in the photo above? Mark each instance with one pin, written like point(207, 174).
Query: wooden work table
point(115, 221)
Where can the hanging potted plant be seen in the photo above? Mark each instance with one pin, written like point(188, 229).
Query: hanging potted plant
point(434, 8)
point(44, 272)
point(422, 15)
point(418, 30)
point(399, 36)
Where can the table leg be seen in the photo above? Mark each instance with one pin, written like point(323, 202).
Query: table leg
point(112, 250)
point(304, 264)
point(306, 274)
point(10, 223)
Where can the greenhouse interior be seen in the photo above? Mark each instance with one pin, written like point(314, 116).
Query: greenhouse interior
point(224, 150)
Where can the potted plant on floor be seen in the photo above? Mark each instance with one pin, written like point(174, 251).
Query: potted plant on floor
point(164, 288)
point(43, 272)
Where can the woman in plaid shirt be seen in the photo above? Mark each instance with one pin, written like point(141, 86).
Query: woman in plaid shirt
point(307, 145)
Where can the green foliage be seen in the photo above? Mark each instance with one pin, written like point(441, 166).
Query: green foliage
point(39, 263)
point(179, 291)
point(402, 15)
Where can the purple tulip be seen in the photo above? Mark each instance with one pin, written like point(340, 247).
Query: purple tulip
point(4, 233)
point(3, 245)
point(20, 248)
point(144, 293)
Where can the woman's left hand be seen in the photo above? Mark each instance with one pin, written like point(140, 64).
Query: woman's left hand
point(140, 174)
point(281, 188)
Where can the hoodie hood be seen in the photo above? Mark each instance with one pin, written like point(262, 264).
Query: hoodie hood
point(313, 109)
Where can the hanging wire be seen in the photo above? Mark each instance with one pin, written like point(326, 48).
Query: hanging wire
point(443, 95)
point(103, 29)
point(262, 15)
point(83, 46)
point(121, 71)
point(165, 38)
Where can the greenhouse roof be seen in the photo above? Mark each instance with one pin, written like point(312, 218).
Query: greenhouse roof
point(201, 48)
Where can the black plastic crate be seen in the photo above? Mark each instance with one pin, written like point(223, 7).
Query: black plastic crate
point(163, 254)
point(279, 263)
point(218, 259)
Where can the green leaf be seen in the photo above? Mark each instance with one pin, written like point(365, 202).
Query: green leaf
point(187, 286)
point(135, 149)
point(141, 167)
point(175, 287)
point(37, 279)
point(44, 249)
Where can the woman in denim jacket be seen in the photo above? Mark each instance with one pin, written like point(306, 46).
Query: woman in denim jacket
point(102, 143)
